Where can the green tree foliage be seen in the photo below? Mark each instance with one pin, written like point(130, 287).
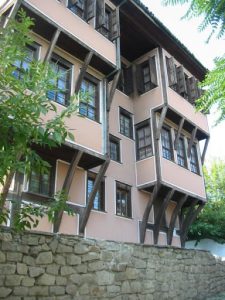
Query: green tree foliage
point(23, 106)
point(211, 221)
point(213, 13)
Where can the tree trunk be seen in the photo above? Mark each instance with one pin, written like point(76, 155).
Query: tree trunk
point(5, 189)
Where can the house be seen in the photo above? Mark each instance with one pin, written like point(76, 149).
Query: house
point(134, 171)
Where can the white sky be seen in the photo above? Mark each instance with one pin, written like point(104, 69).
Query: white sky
point(186, 31)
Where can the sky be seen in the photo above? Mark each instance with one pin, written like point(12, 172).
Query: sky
point(187, 32)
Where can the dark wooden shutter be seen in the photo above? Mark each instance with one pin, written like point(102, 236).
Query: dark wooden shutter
point(192, 90)
point(115, 27)
point(181, 82)
point(128, 81)
point(72, 2)
point(139, 79)
point(100, 13)
point(171, 71)
point(153, 73)
point(90, 9)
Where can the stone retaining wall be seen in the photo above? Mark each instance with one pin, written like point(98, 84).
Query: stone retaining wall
point(59, 267)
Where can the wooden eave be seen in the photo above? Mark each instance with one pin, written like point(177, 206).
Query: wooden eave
point(141, 29)
point(90, 159)
point(46, 28)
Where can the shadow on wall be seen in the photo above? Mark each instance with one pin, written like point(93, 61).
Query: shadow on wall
point(207, 244)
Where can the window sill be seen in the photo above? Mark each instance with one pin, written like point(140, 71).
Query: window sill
point(141, 159)
point(124, 217)
point(116, 161)
point(130, 138)
point(99, 211)
point(85, 117)
point(35, 197)
point(144, 93)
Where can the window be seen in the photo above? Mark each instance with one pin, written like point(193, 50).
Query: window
point(143, 140)
point(99, 201)
point(194, 160)
point(90, 106)
point(181, 154)
point(105, 28)
point(167, 150)
point(62, 69)
point(125, 83)
point(126, 127)
point(77, 7)
point(146, 76)
point(114, 148)
point(23, 65)
point(41, 182)
point(123, 200)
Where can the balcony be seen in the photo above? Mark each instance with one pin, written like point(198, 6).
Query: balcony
point(77, 37)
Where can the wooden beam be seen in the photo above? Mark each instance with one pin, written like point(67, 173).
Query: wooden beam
point(159, 217)
point(66, 186)
point(113, 89)
point(178, 133)
point(175, 213)
point(204, 150)
point(13, 12)
point(90, 201)
point(185, 219)
point(83, 70)
point(188, 223)
point(148, 208)
point(193, 135)
point(52, 44)
point(161, 121)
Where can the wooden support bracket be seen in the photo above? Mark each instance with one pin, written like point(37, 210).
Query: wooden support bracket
point(13, 12)
point(159, 217)
point(161, 121)
point(83, 70)
point(90, 201)
point(193, 135)
point(66, 186)
point(181, 124)
point(174, 217)
point(113, 89)
point(52, 45)
point(148, 208)
point(204, 150)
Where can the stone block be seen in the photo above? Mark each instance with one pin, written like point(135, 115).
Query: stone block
point(71, 289)
point(90, 256)
point(84, 289)
point(13, 280)
point(56, 290)
point(53, 245)
point(31, 240)
point(60, 260)
point(105, 277)
point(44, 258)
point(2, 257)
point(5, 236)
point(46, 279)
point(96, 266)
point(6, 269)
point(81, 249)
point(125, 288)
point(4, 292)
point(53, 269)
point(27, 281)
point(81, 268)
point(2, 280)
point(28, 260)
point(20, 291)
point(64, 249)
point(36, 271)
point(60, 280)
point(67, 270)
point(14, 256)
point(73, 260)
point(38, 291)
point(21, 268)
point(113, 289)
point(75, 278)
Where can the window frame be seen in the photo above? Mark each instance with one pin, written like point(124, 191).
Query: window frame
point(140, 126)
point(100, 193)
point(179, 155)
point(35, 47)
point(124, 113)
point(116, 141)
point(60, 61)
point(106, 30)
point(51, 182)
point(196, 162)
point(80, 12)
point(163, 147)
point(91, 79)
point(125, 188)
